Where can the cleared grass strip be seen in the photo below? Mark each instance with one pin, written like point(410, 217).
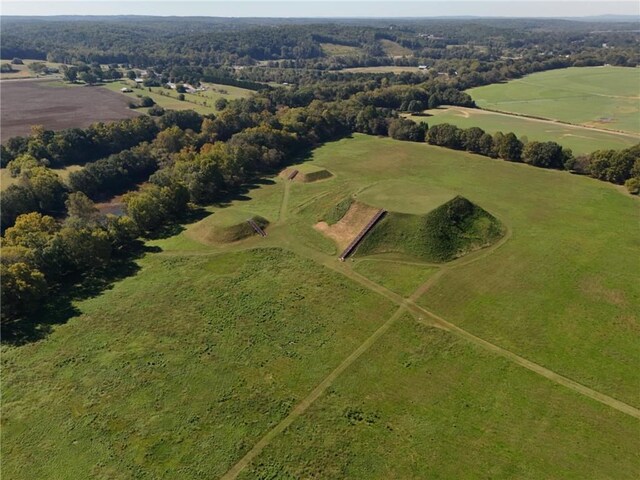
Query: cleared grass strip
point(301, 407)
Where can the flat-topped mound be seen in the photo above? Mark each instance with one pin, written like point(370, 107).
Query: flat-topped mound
point(226, 226)
point(452, 230)
point(307, 173)
point(343, 225)
point(404, 196)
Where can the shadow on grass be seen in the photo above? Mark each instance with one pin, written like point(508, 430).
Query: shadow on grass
point(60, 306)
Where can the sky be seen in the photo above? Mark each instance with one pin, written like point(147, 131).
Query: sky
point(314, 8)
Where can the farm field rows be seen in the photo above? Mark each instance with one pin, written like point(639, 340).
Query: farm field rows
point(190, 363)
point(580, 140)
point(604, 97)
point(57, 106)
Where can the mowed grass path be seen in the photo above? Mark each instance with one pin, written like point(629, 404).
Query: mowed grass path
point(422, 404)
point(581, 140)
point(179, 370)
point(604, 97)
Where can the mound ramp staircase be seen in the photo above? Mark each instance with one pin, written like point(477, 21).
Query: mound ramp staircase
point(257, 228)
point(354, 243)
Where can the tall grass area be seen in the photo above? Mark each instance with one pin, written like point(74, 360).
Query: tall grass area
point(178, 371)
point(423, 404)
point(451, 230)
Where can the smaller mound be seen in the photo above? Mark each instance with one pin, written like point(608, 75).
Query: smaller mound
point(306, 173)
point(350, 223)
point(450, 231)
point(226, 227)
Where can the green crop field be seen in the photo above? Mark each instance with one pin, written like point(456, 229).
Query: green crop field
point(268, 358)
point(581, 140)
point(603, 97)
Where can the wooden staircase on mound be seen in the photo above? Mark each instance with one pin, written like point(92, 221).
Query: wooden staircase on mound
point(354, 243)
point(257, 228)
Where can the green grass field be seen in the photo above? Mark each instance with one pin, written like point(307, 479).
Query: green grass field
point(394, 49)
point(581, 140)
point(201, 102)
point(6, 179)
point(180, 369)
point(603, 97)
point(335, 49)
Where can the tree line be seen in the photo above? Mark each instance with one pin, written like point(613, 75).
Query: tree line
point(53, 233)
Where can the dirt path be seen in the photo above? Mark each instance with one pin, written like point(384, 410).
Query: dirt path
point(580, 126)
point(407, 304)
point(534, 367)
point(285, 202)
point(301, 407)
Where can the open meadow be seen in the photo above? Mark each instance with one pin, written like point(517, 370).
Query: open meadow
point(604, 97)
point(266, 357)
point(581, 140)
point(56, 106)
point(201, 102)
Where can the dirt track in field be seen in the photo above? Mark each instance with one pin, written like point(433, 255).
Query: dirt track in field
point(27, 103)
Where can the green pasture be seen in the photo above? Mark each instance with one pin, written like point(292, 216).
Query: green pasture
point(422, 404)
point(394, 49)
point(6, 179)
point(181, 368)
point(201, 102)
point(604, 97)
point(400, 277)
point(581, 140)
point(335, 49)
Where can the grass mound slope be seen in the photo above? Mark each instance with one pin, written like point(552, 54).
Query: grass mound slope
point(307, 173)
point(447, 232)
point(338, 211)
point(226, 227)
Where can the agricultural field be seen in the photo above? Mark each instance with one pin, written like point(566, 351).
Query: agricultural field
point(394, 49)
point(603, 97)
point(581, 140)
point(56, 106)
point(335, 49)
point(202, 102)
point(251, 357)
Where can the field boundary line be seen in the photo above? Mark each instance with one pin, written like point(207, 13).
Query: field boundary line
point(528, 364)
point(551, 121)
point(306, 402)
